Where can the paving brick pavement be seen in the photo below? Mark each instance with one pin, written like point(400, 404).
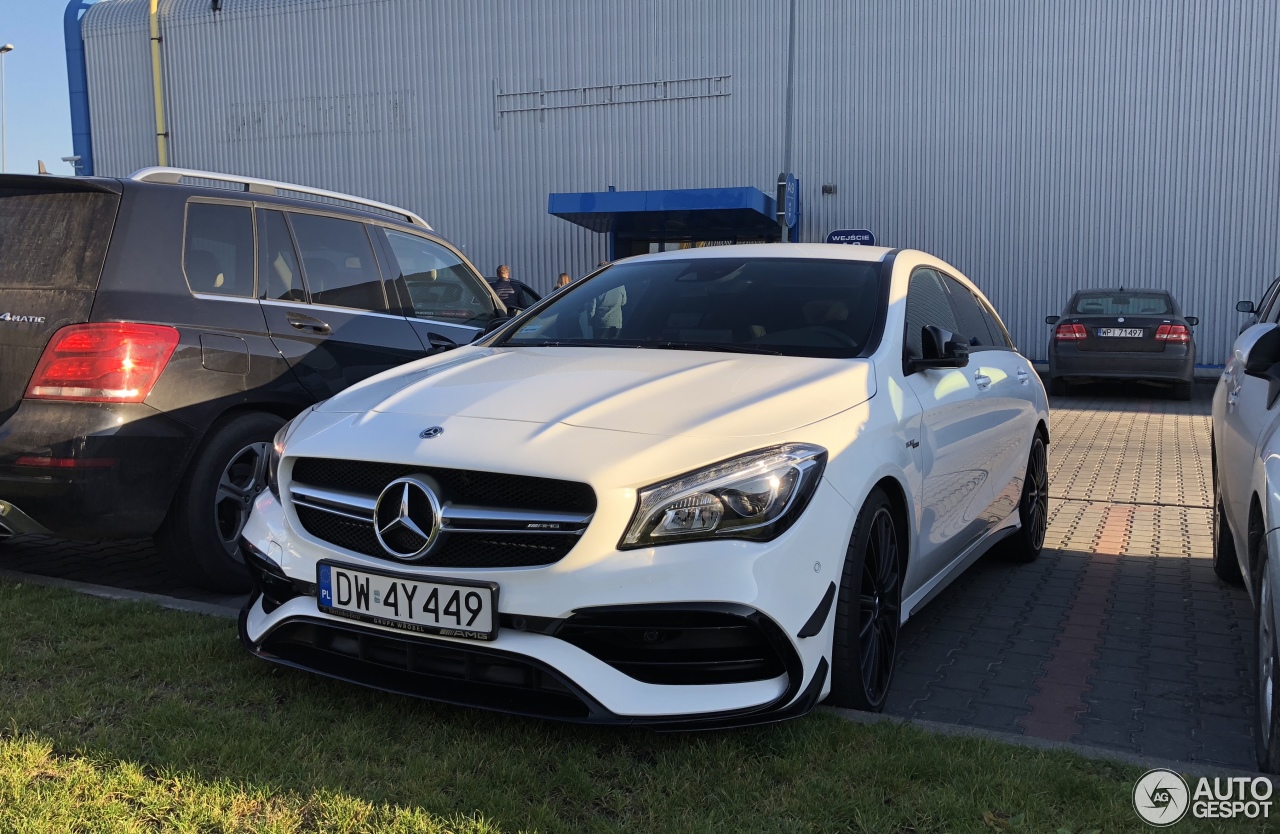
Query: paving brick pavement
point(1119, 636)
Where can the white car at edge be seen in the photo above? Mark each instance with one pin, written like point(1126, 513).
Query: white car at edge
point(1246, 517)
point(699, 488)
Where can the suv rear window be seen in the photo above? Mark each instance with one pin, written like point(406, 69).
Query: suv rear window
point(1122, 304)
point(54, 240)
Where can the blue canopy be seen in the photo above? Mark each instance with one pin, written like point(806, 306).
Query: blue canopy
point(677, 214)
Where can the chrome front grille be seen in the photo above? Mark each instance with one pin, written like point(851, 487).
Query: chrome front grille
point(487, 519)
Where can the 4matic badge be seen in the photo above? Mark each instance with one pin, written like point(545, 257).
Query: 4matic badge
point(10, 317)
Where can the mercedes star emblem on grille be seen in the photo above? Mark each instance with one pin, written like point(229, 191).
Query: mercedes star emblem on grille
point(434, 431)
point(407, 518)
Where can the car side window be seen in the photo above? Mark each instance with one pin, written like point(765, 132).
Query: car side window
point(338, 262)
point(1268, 303)
point(999, 334)
point(970, 320)
point(927, 304)
point(277, 259)
point(441, 285)
point(217, 253)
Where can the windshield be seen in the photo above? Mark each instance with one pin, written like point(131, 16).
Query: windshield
point(785, 306)
point(1123, 304)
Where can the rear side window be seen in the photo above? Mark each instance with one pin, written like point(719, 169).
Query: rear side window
point(440, 285)
point(970, 321)
point(277, 260)
point(54, 240)
point(217, 254)
point(338, 262)
point(927, 304)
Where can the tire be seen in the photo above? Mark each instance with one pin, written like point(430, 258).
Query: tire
point(1226, 562)
point(1182, 391)
point(200, 535)
point(868, 609)
point(1033, 507)
point(1058, 387)
point(1267, 730)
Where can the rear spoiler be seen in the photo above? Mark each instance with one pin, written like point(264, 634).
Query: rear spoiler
point(48, 184)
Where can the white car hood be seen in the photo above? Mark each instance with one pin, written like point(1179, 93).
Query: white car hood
point(656, 392)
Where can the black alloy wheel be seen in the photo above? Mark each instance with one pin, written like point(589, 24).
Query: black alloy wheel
point(1033, 506)
point(201, 535)
point(868, 615)
point(243, 479)
point(1267, 729)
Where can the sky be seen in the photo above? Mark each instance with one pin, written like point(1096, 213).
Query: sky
point(36, 109)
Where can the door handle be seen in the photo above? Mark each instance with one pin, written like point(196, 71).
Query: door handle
point(983, 381)
point(307, 324)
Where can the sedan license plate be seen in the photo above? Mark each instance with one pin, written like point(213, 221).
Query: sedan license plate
point(1123, 332)
point(427, 605)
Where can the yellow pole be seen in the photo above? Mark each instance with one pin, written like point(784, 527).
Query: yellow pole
point(162, 138)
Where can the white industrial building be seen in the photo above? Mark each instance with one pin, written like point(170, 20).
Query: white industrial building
point(1041, 147)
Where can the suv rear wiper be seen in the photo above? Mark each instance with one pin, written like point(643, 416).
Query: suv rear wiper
point(722, 347)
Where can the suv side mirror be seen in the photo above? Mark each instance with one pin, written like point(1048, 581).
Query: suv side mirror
point(1052, 319)
point(439, 344)
point(1245, 307)
point(1264, 354)
point(1192, 320)
point(494, 323)
point(942, 349)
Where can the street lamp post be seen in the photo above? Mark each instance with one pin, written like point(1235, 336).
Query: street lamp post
point(4, 50)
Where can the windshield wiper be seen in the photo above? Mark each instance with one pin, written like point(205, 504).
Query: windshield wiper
point(721, 347)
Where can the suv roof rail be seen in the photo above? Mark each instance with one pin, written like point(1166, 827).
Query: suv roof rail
point(254, 185)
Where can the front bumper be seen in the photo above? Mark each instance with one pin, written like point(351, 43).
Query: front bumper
point(561, 651)
point(91, 470)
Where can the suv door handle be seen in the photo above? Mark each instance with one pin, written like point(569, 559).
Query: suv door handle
point(308, 324)
point(983, 381)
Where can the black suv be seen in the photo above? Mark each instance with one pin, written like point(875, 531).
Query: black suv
point(157, 331)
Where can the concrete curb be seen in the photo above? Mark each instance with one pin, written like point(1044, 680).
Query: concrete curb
point(1018, 740)
point(210, 609)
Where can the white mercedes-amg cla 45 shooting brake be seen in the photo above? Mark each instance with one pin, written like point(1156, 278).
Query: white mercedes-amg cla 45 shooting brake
point(699, 488)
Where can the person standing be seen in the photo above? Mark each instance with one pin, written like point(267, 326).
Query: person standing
point(563, 281)
point(511, 292)
point(606, 317)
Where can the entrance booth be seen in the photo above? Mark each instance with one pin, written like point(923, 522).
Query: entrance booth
point(640, 222)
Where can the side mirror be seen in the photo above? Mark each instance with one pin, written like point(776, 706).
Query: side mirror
point(942, 349)
point(1264, 354)
point(494, 323)
point(1052, 319)
point(1245, 307)
point(1192, 320)
point(439, 344)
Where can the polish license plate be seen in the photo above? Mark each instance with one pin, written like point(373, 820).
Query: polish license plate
point(427, 605)
point(1124, 332)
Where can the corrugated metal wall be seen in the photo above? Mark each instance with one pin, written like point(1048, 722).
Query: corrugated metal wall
point(1041, 147)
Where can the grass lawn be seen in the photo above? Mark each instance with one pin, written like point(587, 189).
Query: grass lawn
point(125, 717)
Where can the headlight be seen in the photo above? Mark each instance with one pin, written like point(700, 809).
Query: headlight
point(756, 496)
point(277, 451)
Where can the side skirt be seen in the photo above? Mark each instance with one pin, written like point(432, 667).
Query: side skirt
point(947, 575)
